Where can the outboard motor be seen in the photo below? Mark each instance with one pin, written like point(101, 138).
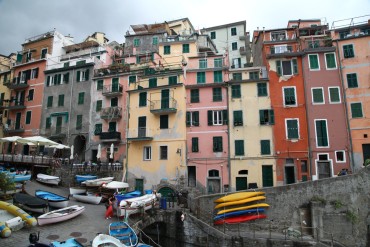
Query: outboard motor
point(34, 238)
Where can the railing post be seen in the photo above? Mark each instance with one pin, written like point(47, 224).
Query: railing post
point(270, 229)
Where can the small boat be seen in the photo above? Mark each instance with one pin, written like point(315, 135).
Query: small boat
point(243, 201)
point(18, 178)
point(71, 242)
point(240, 219)
point(59, 215)
point(47, 179)
point(122, 231)
point(107, 241)
point(97, 182)
point(16, 211)
point(258, 205)
point(238, 196)
point(77, 190)
point(127, 195)
point(92, 199)
point(54, 200)
point(236, 213)
point(4, 230)
point(13, 222)
point(132, 206)
point(30, 203)
point(82, 178)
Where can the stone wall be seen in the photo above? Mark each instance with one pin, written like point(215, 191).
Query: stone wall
point(334, 207)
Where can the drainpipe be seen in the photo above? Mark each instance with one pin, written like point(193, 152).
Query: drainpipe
point(228, 139)
point(350, 151)
point(307, 120)
point(124, 176)
point(70, 107)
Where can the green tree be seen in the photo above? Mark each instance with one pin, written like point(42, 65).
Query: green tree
point(6, 182)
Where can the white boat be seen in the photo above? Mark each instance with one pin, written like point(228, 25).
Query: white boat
point(97, 182)
point(107, 241)
point(133, 205)
point(15, 223)
point(59, 215)
point(77, 190)
point(92, 199)
point(47, 179)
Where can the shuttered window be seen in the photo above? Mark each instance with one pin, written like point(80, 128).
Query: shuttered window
point(317, 96)
point(201, 77)
point(235, 91)
point(217, 144)
point(314, 61)
point(321, 133)
point(195, 144)
point(194, 96)
point(238, 118)
point(356, 109)
point(334, 96)
point(81, 98)
point(265, 147)
point(292, 128)
point(262, 89)
point(79, 122)
point(142, 99)
point(239, 147)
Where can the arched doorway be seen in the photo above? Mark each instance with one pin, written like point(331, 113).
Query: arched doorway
point(79, 144)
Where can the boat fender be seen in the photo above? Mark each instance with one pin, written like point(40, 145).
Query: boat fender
point(4, 230)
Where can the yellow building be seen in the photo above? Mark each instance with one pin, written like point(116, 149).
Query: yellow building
point(252, 162)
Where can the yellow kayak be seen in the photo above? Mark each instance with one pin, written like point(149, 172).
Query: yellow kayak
point(30, 221)
point(239, 196)
point(258, 205)
point(251, 199)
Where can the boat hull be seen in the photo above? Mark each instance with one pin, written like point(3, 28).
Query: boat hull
point(82, 178)
point(30, 203)
point(71, 242)
point(88, 199)
point(106, 240)
point(54, 200)
point(97, 182)
point(46, 179)
point(122, 231)
point(258, 205)
point(240, 219)
point(243, 201)
point(30, 221)
point(77, 190)
point(237, 213)
point(238, 196)
point(60, 215)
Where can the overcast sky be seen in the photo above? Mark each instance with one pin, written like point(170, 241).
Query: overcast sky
point(21, 19)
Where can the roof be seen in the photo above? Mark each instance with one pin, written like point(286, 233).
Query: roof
point(226, 25)
point(149, 28)
point(81, 46)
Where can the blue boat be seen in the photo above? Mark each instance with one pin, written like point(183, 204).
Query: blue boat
point(18, 178)
point(82, 178)
point(54, 200)
point(128, 195)
point(241, 212)
point(122, 231)
point(71, 242)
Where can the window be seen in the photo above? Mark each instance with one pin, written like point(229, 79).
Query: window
point(278, 35)
point(79, 122)
point(99, 105)
point(28, 56)
point(262, 89)
point(114, 102)
point(237, 76)
point(163, 152)
point(314, 61)
point(81, 98)
point(185, 48)
point(142, 99)
point(318, 96)
point(217, 75)
point(217, 94)
point(99, 85)
point(82, 75)
point(217, 63)
point(267, 117)
point(321, 133)
point(233, 31)
point(238, 118)
point(330, 61)
point(304, 166)
point(147, 153)
point(234, 46)
point(112, 126)
point(217, 144)
point(265, 147)
point(28, 117)
point(132, 78)
point(202, 63)
point(79, 63)
point(167, 49)
point(340, 156)
point(239, 147)
point(192, 118)
point(172, 80)
point(31, 92)
point(291, 126)
point(356, 109)
point(152, 82)
point(352, 80)
point(48, 123)
point(61, 100)
point(57, 79)
point(34, 73)
point(136, 42)
point(194, 96)
point(66, 65)
point(201, 77)
point(348, 51)
point(213, 35)
point(163, 121)
point(217, 117)
point(44, 52)
point(155, 41)
point(254, 75)
point(236, 91)
point(98, 129)
point(289, 96)
point(286, 67)
point(50, 101)
point(66, 77)
point(237, 62)
point(195, 144)
point(334, 95)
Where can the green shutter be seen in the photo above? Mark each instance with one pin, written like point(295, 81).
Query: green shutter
point(142, 99)
point(224, 117)
point(99, 84)
point(152, 82)
point(314, 63)
point(188, 123)
point(61, 100)
point(292, 126)
point(334, 95)
point(356, 109)
point(321, 133)
point(196, 118)
point(238, 118)
point(48, 123)
point(271, 117)
point(137, 59)
point(48, 81)
point(66, 77)
point(239, 147)
point(81, 98)
point(278, 67)
point(195, 144)
point(295, 66)
point(210, 120)
point(99, 104)
point(28, 117)
point(217, 76)
point(50, 101)
point(78, 76)
point(265, 147)
point(317, 95)
point(98, 129)
point(87, 73)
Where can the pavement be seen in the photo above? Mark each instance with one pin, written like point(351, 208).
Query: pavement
point(83, 227)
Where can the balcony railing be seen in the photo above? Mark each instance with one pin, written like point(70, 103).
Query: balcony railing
point(13, 128)
point(163, 106)
point(55, 132)
point(112, 70)
point(317, 43)
point(110, 113)
point(80, 53)
point(16, 83)
point(112, 90)
point(110, 136)
point(242, 50)
point(139, 134)
point(16, 105)
point(280, 49)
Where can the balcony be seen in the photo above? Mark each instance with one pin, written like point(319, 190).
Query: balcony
point(112, 70)
point(140, 134)
point(110, 136)
point(16, 105)
point(282, 51)
point(80, 53)
point(55, 132)
point(318, 44)
point(112, 90)
point(242, 51)
point(111, 113)
point(162, 107)
point(17, 84)
point(10, 129)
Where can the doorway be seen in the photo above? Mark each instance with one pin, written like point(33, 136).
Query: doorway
point(323, 168)
point(289, 175)
point(192, 176)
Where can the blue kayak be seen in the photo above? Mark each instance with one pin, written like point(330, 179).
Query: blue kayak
point(127, 195)
point(82, 178)
point(71, 242)
point(241, 212)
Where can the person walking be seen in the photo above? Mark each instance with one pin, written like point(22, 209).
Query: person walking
point(109, 211)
